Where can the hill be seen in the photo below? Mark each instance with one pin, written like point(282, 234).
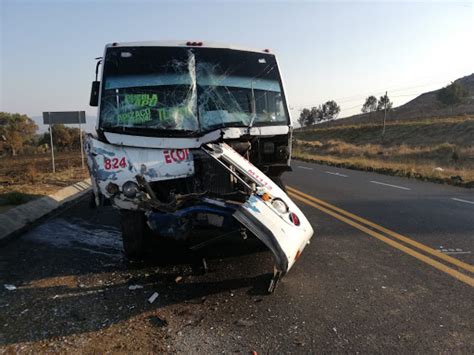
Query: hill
point(440, 149)
point(423, 106)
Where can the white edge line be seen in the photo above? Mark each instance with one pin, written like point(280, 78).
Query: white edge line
point(461, 200)
point(456, 252)
point(337, 174)
point(395, 186)
point(304, 167)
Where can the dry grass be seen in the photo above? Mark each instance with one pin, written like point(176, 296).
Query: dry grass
point(27, 177)
point(440, 150)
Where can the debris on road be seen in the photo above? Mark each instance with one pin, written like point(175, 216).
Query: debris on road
point(10, 287)
point(153, 297)
point(298, 342)
point(134, 287)
point(178, 279)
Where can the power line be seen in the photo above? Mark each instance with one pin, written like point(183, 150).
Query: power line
point(412, 94)
point(350, 108)
point(355, 98)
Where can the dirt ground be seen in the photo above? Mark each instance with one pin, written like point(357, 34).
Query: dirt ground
point(23, 178)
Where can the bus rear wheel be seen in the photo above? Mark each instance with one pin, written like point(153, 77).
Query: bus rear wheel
point(134, 233)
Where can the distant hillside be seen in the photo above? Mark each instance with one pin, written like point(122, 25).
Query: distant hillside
point(439, 149)
point(424, 106)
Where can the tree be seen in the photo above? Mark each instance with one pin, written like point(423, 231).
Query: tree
point(370, 104)
point(330, 110)
point(384, 103)
point(453, 94)
point(327, 111)
point(304, 115)
point(314, 116)
point(64, 138)
point(317, 113)
point(16, 131)
point(308, 117)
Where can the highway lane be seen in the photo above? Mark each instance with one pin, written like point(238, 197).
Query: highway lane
point(349, 291)
point(440, 216)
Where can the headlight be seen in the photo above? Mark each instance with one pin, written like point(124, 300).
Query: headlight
point(130, 189)
point(112, 188)
point(279, 205)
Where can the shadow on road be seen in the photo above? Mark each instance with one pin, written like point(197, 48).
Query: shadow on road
point(71, 277)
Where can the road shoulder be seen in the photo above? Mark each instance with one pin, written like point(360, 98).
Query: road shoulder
point(19, 218)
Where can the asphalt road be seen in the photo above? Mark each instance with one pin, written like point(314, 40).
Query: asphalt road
point(388, 270)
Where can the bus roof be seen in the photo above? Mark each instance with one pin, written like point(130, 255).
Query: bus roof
point(183, 43)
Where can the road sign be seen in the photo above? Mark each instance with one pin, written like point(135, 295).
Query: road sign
point(65, 117)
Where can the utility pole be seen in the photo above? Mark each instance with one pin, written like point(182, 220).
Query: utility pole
point(80, 138)
point(384, 114)
point(52, 146)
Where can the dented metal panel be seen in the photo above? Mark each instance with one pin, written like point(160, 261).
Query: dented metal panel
point(181, 143)
point(162, 142)
point(119, 164)
point(280, 232)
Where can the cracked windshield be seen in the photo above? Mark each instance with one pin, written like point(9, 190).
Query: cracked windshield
point(184, 89)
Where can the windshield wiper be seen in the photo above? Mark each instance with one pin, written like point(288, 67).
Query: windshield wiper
point(253, 107)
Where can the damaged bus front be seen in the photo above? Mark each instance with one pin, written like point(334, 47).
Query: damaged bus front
point(189, 135)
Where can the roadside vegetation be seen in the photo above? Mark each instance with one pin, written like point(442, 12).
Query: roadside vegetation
point(436, 149)
point(418, 139)
point(26, 177)
point(25, 160)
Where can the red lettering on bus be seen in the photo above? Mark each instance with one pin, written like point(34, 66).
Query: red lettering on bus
point(175, 155)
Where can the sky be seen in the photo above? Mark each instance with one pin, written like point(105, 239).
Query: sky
point(342, 51)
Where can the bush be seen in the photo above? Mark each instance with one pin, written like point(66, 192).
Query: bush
point(31, 173)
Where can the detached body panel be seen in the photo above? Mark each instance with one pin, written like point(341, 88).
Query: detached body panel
point(285, 232)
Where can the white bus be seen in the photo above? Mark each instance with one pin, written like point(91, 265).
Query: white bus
point(191, 134)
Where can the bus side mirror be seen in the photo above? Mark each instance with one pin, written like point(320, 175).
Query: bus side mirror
point(94, 100)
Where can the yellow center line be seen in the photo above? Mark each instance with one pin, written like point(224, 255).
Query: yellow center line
point(454, 273)
point(393, 234)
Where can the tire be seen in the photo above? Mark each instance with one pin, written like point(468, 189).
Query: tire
point(92, 203)
point(134, 233)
